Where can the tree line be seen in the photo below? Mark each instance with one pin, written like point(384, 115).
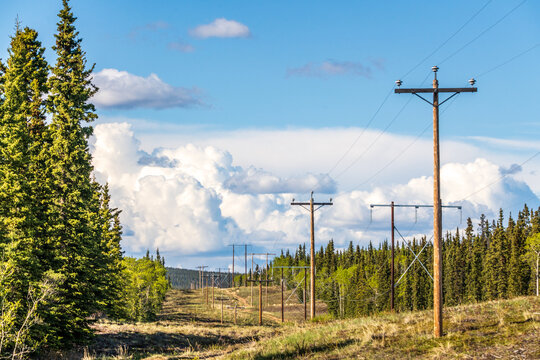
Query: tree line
point(499, 260)
point(61, 262)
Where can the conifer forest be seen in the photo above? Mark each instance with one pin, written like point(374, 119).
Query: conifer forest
point(69, 290)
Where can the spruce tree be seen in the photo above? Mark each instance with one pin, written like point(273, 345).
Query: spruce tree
point(23, 86)
point(72, 207)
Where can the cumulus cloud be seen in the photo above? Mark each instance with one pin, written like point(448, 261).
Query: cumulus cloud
point(255, 180)
point(332, 68)
point(221, 28)
point(122, 90)
point(190, 201)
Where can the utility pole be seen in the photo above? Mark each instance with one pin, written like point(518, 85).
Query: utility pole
point(206, 286)
point(266, 289)
point(282, 300)
point(437, 228)
point(393, 227)
point(201, 272)
point(251, 275)
point(260, 281)
point(222, 299)
point(282, 289)
point(311, 209)
point(305, 294)
point(232, 279)
point(245, 263)
point(213, 291)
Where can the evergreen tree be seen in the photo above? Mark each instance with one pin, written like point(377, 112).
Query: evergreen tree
point(73, 206)
point(22, 88)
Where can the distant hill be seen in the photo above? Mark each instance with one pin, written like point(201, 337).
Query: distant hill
point(187, 278)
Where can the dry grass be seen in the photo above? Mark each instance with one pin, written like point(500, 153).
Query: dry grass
point(188, 329)
point(493, 330)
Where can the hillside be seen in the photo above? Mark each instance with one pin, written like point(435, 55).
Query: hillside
point(187, 328)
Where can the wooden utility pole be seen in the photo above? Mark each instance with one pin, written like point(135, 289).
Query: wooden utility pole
point(201, 275)
point(305, 294)
point(251, 274)
point(222, 299)
point(282, 299)
point(260, 281)
point(437, 249)
point(266, 288)
point(206, 286)
point(245, 264)
point(393, 227)
point(282, 288)
point(232, 278)
point(311, 209)
point(392, 270)
point(212, 291)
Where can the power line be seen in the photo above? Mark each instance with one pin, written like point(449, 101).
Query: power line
point(483, 32)
point(406, 148)
point(362, 132)
point(509, 60)
point(379, 135)
point(447, 40)
point(499, 179)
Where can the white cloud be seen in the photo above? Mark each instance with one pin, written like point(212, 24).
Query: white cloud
point(221, 28)
point(190, 201)
point(120, 89)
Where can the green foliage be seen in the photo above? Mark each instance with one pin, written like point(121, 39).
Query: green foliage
point(144, 286)
point(496, 263)
point(57, 229)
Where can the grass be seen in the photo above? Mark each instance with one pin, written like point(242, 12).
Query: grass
point(189, 329)
point(492, 330)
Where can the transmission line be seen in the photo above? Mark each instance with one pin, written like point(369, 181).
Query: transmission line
point(483, 32)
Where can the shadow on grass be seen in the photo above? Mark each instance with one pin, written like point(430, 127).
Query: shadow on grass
point(302, 350)
point(159, 342)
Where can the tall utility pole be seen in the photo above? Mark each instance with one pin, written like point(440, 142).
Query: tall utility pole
point(282, 301)
point(311, 209)
point(437, 250)
point(393, 227)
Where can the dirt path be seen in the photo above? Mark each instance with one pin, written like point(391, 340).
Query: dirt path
point(185, 329)
point(247, 306)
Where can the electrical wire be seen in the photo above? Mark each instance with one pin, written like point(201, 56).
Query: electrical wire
point(448, 39)
point(362, 132)
point(405, 149)
point(499, 179)
point(509, 60)
point(483, 32)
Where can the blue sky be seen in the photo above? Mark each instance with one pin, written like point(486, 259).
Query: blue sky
point(244, 81)
point(302, 81)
